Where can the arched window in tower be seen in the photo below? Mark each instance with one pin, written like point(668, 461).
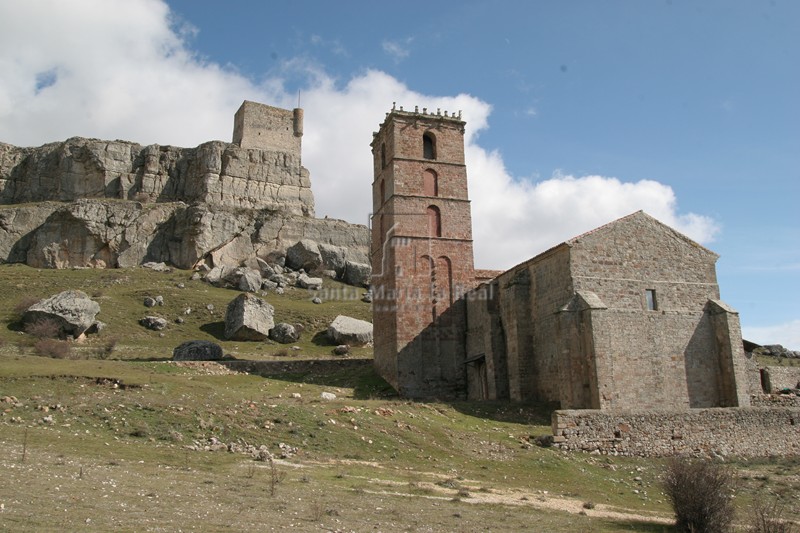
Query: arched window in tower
point(383, 155)
point(428, 146)
point(434, 221)
point(430, 183)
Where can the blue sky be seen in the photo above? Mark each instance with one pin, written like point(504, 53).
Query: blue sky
point(577, 112)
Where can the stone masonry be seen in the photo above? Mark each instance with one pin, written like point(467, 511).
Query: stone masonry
point(421, 252)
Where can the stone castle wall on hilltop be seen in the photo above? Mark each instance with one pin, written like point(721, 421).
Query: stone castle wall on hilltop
point(89, 202)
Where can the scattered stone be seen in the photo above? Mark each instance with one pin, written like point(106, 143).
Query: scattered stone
point(348, 330)
point(296, 395)
point(316, 300)
point(279, 290)
point(159, 300)
point(154, 323)
point(149, 302)
point(367, 297)
point(72, 311)
point(179, 320)
point(342, 349)
point(305, 282)
point(284, 333)
point(248, 318)
point(327, 396)
point(157, 267)
point(199, 350)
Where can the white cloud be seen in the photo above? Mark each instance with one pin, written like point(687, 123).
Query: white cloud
point(787, 334)
point(118, 70)
point(398, 50)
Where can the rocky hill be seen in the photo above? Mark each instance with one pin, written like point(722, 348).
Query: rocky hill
point(88, 202)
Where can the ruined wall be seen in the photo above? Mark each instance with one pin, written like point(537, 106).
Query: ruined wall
point(215, 172)
point(739, 432)
point(780, 377)
point(265, 127)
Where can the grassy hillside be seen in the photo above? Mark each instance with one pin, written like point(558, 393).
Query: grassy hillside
point(137, 443)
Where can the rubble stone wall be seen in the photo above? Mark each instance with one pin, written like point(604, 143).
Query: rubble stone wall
point(739, 432)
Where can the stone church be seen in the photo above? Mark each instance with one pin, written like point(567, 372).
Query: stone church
point(626, 316)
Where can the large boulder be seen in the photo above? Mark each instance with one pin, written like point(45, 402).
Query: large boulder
point(250, 281)
point(348, 330)
point(358, 274)
point(306, 282)
point(304, 255)
point(248, 318)
point(333, 257)
point(284, 333)
point(197, 351)
point(73, 312)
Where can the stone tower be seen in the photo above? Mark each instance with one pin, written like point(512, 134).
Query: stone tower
point(421, 251)
point(268, 128)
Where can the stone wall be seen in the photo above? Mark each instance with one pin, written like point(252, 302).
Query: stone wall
point(265, 127)
point(781, 377)
point(740, 432)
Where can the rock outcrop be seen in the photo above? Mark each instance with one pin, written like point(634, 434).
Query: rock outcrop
point(108, 233)
point(215, 172)
point(89, 202)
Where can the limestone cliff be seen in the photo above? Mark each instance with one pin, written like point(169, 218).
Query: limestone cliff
point(88, 202)
point(109, 233)
point(215, 172)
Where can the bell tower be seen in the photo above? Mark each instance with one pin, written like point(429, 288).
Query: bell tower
point(421, 252)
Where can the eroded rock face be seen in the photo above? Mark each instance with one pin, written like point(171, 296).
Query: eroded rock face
point(73, 311)
point(248, 318)
point(106, 233)
point(101, 204)
point(214, 172)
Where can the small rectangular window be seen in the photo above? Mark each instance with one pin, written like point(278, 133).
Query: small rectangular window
point(650, 296)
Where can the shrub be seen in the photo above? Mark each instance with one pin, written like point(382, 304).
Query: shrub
point(43, 328)
point(53, 348)
point(105, 350)
point(700, 494)
point(767, 517)
point(23, 305)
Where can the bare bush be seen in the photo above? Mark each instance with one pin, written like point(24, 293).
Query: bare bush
point(767, 517)
point(23, 305)
point(43, 328)
point(700, 494)
point(53, 348)
point(105, 350)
